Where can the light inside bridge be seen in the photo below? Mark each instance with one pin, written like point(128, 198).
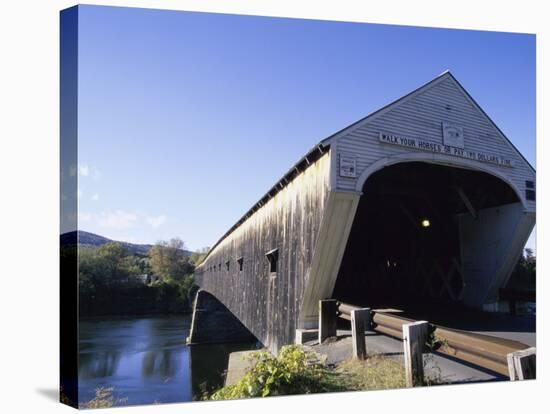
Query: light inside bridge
point(425, 222)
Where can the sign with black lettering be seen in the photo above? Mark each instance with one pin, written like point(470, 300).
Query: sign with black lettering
point(348, 166)
point(422, 145)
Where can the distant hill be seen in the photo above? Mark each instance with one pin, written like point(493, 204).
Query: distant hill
point(84, 238)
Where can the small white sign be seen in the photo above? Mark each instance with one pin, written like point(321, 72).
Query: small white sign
point(453, 135)
point(348, 166)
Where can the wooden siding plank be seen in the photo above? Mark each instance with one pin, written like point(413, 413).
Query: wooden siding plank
point(268, 304)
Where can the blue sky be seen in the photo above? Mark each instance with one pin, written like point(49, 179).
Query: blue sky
point(187, 119)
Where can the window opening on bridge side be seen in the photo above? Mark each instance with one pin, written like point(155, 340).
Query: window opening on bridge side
point(227, 265)
point(240, 263)
point(220, 267)
point(272, 257)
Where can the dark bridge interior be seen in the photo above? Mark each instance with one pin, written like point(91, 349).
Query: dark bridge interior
point(404, 248)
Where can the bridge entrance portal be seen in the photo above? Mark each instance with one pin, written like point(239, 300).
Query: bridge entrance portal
point(420, 232)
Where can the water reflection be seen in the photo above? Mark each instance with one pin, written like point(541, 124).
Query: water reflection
point(99, 365)
point(159, 364)
point(146, 360)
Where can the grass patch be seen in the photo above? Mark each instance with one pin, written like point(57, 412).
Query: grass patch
point(374, 373)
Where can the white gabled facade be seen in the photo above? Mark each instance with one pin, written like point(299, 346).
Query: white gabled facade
point(491, 244)
point(420, 115)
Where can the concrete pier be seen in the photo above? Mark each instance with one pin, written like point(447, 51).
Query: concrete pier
point(239, 364)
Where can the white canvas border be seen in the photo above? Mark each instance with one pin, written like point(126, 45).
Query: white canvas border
point(29, 169)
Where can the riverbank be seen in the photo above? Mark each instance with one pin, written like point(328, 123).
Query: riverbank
point(120, 317)
point(301, 370)
point(295, 372)
point(157, 299)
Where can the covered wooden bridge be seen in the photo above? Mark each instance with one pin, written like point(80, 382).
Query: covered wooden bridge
point(422, 201)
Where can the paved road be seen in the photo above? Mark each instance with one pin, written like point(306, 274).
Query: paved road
point(436, 366)
point(519, 328)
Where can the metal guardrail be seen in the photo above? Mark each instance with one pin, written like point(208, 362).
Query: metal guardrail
point(486, 351)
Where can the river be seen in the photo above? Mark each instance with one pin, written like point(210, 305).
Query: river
point(145, 360)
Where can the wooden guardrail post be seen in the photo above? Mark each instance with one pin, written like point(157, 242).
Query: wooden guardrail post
point(414, 339)
point(327, 319)
point(360, 321)
point(522, 364)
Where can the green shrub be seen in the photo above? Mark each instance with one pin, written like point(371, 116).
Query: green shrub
point(293, 371)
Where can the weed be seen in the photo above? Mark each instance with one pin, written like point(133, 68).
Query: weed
point(103, 399)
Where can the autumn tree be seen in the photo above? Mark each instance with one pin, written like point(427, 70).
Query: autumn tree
point(169, 261)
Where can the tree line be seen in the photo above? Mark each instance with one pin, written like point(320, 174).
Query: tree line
point(112, 280)
point(525, 273)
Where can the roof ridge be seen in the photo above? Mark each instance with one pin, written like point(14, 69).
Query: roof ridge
point(386, 107)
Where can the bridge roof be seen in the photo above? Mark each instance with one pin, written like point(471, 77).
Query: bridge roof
point(442, 76)
point(314, 153)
